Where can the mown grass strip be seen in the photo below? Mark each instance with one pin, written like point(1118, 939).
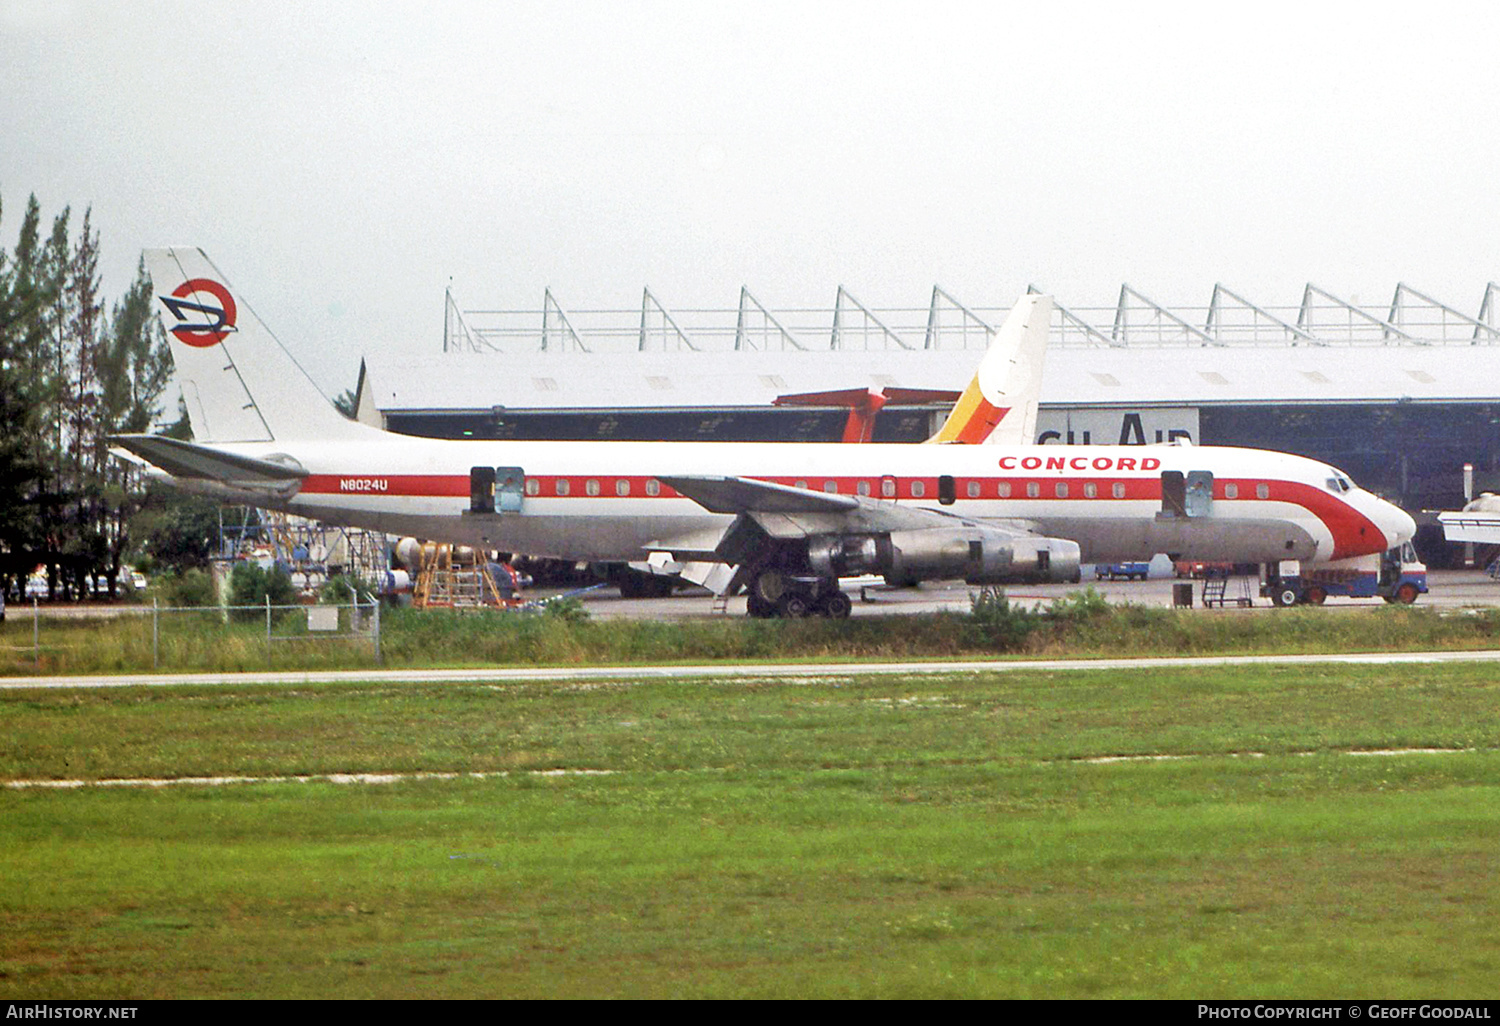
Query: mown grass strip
point(934, 837)
point(1286, 877)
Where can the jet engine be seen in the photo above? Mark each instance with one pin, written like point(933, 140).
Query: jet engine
point(977, 555)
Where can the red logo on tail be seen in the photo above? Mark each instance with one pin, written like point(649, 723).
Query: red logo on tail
point(218, 320)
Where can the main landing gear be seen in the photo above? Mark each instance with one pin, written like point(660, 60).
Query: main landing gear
point(776, 593)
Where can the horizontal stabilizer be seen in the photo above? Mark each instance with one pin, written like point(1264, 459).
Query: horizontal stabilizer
point(186, 459)
point(746, 495)
point(1480, 527)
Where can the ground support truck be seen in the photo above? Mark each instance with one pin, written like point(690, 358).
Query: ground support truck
point(1395, 575)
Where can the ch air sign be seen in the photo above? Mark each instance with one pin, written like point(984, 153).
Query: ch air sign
point(1117, 427)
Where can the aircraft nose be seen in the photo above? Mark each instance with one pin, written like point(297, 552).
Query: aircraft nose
point(1398, 525)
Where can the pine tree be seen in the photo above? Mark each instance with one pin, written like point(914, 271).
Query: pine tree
point(28, 499)
point(134, 368)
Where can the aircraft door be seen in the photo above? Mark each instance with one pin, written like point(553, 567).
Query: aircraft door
point(510, 489)
point(1187, 495)
point(481, 489)
point(1173, 494)
point(1199, 496)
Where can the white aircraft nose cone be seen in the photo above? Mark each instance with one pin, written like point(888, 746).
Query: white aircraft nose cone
point(1398, 525)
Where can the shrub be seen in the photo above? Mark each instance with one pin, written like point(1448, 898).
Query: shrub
point(996, 624)
point(1080, 606)
point(249, 585)
point(569, 610)
point(190, 588)
point(336, 590)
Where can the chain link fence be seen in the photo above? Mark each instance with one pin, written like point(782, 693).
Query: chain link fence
point(120, 637)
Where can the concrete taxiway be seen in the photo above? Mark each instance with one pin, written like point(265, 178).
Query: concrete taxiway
point(1451, 589)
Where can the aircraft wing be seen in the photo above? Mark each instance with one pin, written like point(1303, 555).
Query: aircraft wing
point(853, 535)
point(746, 495)
point(782, 512)
point(189, 460)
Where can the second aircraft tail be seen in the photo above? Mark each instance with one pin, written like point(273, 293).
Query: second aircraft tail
point(1000, 404)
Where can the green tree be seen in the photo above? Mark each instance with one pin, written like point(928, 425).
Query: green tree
point(249, 585)
point(28, 496)
point(176, 529)
point(134, 366)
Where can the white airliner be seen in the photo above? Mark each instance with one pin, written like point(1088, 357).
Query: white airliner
point(788, 519)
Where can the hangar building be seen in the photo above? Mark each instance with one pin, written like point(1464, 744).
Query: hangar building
point(1399, 395)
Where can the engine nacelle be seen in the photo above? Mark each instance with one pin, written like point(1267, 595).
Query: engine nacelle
point(973, 554)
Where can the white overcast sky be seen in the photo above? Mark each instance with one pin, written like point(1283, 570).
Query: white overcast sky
point(343, 162)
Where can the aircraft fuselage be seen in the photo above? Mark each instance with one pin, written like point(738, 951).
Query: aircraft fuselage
point(604, 500)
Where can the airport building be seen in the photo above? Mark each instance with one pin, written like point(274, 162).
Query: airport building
point(1400, 395)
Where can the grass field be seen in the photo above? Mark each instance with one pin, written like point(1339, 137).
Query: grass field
point(944, 836)
point(1083, 624)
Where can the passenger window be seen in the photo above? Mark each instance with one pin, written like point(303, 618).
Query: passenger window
point(1003, 490)
point(1262, 491)
point(973, 489)
point(653, 486)
point(622, 487)
point(863, 488)
point(918, 489)
point(1231, 491)
point(1033, 489)
point(830, 486)
point(563, 487)
point(533, 486)
point(591, 486)
point(888, 487)
point(1118, 489)
point(1090, 490)
point(1062, 489)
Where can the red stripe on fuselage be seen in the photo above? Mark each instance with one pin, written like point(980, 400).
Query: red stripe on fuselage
point(428, 485)
point(1353, 533)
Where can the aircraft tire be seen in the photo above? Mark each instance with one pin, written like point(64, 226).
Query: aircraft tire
point(769, 585)
point(758, 607)
point(837, 606)
point(794, 607)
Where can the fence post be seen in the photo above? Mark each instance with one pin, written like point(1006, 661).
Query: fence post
point(155, 635)
point(36, 633)
point(375, 603)
point(268, 630)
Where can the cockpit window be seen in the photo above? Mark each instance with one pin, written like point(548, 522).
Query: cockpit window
point(1338, 484)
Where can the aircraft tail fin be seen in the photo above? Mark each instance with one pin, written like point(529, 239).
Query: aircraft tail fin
point(1000, 404)
point(239, 382)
